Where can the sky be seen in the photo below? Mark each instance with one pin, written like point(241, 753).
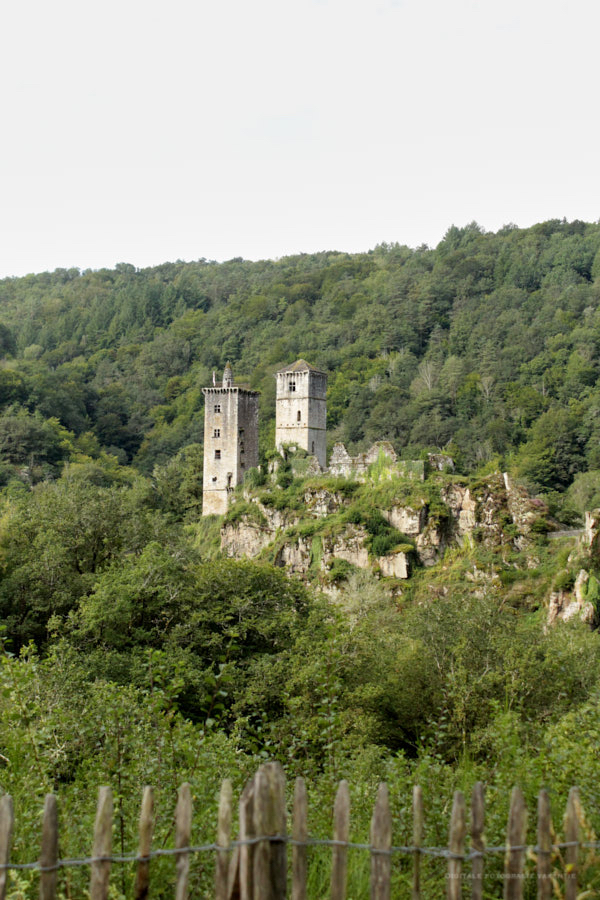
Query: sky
point(146, 132)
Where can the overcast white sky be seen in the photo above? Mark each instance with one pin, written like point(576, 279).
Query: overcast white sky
point(143, 132)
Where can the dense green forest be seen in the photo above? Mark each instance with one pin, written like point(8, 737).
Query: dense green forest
point(132, 653)
point(487, 344)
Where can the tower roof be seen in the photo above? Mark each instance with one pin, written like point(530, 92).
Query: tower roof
point(300, 366)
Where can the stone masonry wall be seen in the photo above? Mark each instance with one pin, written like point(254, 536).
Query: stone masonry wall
point(230, 443)
point(301, 412)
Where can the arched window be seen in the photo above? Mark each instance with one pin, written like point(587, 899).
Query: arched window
point(299, 416)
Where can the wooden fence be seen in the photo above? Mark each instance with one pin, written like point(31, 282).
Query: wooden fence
point(255, 865)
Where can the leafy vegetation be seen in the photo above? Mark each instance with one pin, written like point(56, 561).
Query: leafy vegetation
point(133, 653)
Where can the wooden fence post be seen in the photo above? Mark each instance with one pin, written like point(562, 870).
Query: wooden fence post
point(246, 855)
point(183, 834)
point(571, 837)
point(146, 830)
point(6, 828)
point(262, 816)
point(417, 806)
point(456, 846)
point(270, 870)
point(299, 833)
point(544, 851)
point(100, 871)
point(381, 839)
point(477, 839)
point(49, 852)
point(277, 826)
point(341, 830)
point(223, 840)
point(515, 837)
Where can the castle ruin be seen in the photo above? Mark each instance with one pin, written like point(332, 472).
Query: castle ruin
point(301, 409)
point(230, 440)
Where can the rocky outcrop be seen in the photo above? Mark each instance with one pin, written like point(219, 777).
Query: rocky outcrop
point(489, 508)
point(493, 511)
point(295, 556)
point(432, 542)
point(564, 605)
point(406, 519)
point(244, 539)
point(350, 545)
point(321, 503)
point(591, 534)
point(395, 565)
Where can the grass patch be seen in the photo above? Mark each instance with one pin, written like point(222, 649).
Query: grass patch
point(206, 536)
point(243, 509)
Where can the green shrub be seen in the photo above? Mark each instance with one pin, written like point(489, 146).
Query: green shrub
point(340, 570)
point(245, 510)
point(255, 478)
point(540, 526)
point(564, 581)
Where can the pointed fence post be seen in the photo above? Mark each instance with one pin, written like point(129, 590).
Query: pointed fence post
point(100, 871)
point(247, 833)
point(381, 840)
point(300, 834)
point(515, 858)
point(418, 818)
point(49, 852)
point(544, 851)
point(477, 839)
point(223, 840)
point(341, 831)
point(183, 834)
point(270, 856)
point(277, 826)
point(262, 815)
point(146, 830)
point(6, 828)
point(571, 838)
point(456, 847)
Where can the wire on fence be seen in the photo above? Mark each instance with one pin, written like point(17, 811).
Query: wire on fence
point(434, 852)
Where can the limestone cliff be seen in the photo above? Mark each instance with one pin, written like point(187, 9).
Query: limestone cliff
point(320, 527)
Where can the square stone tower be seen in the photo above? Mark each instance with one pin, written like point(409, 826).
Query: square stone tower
point(230, 441)
point(301, 409)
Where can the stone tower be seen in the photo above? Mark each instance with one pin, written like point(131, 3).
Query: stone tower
point(301, 409)
point(230, 441)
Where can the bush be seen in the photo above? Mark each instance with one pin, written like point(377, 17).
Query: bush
point(564, 581)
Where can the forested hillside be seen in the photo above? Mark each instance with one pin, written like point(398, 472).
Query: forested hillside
point(486, 345)
point(133, 652)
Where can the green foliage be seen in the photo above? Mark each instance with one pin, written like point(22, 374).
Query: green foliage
point(339, 571)
point(143, 657)
point(382, 537)
point(472, 344)
point(244, 510)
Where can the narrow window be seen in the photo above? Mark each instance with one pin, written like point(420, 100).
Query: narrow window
point(292, 386)
point(229, 477)
point(217, 432)
point(241, 432)
point(217, 407)
point(299, 417)
point(214, 478)
point(313, 448)
point(217, 454)
point(242, 447)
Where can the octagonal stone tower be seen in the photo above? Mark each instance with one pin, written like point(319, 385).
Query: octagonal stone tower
point(230, 441)
point(301, 409)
